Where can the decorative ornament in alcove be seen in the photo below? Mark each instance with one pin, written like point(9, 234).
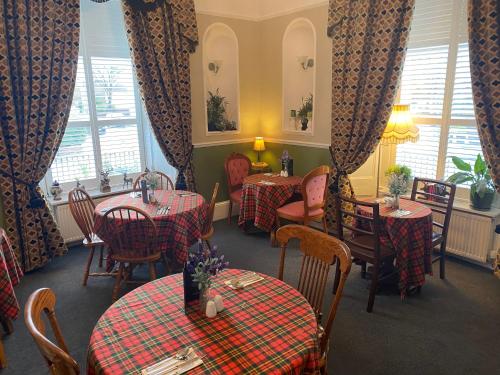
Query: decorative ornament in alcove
point(305, 112)
point(217, 117)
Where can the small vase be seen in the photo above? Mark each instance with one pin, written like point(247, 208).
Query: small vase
point(304, 121)
point(205, 296)
point(395, 202)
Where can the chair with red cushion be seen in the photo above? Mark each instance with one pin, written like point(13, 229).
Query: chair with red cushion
point(237, 167)
point(312, 208)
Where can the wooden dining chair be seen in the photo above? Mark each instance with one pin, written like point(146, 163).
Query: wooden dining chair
point(133, 240)
point(312, 207)
point(164, 182)
point(363, 240)
point(82, 208)
point(56, 355)
point(237, 167)
point(209, 228)
point(439, 197)
point(319, 253)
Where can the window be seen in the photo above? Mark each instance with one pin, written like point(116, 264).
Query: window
point(104, 130)
point(436, 83)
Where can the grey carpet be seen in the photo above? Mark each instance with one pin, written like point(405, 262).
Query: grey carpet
point(452, 327)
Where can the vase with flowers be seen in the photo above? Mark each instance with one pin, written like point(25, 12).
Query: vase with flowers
point(398, 181)
point(201, 268)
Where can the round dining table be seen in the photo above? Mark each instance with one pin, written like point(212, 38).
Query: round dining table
point(408, 231)
point(179, 226)
point(262, 194)
point(266, 328)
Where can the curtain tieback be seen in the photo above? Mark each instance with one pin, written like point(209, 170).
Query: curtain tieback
point(36, 199)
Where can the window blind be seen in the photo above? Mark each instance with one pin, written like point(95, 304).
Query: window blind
point(80, 105)
point(463, 141)
point(120, 148)
point(462, 104)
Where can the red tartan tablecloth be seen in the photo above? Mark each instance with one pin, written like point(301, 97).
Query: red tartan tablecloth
point(10, 275)
point(177, 230)
point(259, 201)
point(266, 328)
point(411, 237)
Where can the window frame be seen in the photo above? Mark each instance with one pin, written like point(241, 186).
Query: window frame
point(94, 124)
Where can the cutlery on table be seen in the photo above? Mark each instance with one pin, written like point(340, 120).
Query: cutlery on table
point(183, 361)
point(244, 280)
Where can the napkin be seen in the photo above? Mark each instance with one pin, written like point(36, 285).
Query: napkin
point(244, 280)
point(267, 182)
point(400, 213)
point(173, 366)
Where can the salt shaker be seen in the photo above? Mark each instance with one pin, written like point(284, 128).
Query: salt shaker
point(211, 310)
point(219, 303)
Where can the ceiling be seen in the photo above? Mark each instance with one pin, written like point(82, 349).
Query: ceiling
point(254, 10)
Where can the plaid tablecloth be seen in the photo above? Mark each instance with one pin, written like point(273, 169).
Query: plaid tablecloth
point(266, 328)
point(411, 237)
point(259, 201)
point(177, 230)
point(10, 275)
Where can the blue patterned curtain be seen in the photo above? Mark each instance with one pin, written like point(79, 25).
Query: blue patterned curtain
point(38, 62)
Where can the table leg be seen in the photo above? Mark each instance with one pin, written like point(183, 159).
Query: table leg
point(7, 325)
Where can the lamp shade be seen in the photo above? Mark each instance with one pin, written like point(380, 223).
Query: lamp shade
point(259, 144)
point(400, 128)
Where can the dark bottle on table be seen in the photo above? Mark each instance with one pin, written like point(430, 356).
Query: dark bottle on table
point(144, 191)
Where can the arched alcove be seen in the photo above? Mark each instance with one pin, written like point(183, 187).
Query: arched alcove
point(299, 74)
point(221, 79)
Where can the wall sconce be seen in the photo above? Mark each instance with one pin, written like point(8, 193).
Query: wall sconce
point(305, 62)
point(214, 66)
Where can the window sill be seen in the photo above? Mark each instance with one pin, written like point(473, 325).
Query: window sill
point(94, 194)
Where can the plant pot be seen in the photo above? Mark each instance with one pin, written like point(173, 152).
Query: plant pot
point(484, 203)
point(395, 202)
point(304, 121)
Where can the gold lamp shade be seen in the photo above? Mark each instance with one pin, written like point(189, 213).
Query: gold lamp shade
point(400, 128)
point(259, 144)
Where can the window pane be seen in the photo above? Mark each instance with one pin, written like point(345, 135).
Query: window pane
point(80, 105)
point(462, 105)
point(120, 148)
point(463, 141)
point(114, 88)
point(75, 157)
point(422, 156)
point(423, 80)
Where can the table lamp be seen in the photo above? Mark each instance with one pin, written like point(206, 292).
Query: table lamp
point(400, 129)
point(259, 146)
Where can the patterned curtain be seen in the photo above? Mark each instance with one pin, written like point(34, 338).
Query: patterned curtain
point(369, 40)
point(484, 46)
point(162, 34)
point(38, 61)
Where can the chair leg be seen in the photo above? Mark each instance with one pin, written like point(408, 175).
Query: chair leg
point(442, 260)
point(209, 245)
point(274, 241)
point(87, 266)
point(230, 211)
point(101, 255)
point(152, 271)
point(3, 358)
point(325, 226)
point(168, 266)
point(118, 281)
point(363, 270)
point(373, 288)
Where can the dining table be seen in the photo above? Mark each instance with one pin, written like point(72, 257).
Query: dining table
point(262, 194)
point(408, 230)
point(10, 276)
point(267, 327)
point(180, 217)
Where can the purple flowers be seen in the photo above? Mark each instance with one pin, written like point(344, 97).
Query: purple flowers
point(204, 264)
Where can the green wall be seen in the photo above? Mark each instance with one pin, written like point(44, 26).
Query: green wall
point(209, 162)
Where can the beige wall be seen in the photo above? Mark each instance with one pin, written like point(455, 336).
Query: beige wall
point(273, 30)
point(249, 42)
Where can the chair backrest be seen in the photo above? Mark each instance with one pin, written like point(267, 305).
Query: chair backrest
point(439, 195)
point(358, 226)
point(82, 208)
point(164, 182)
point(57, 356)
point(211, 208)
point(237, 167)
point(130, 233)
point(320, 251)
point(314, 188)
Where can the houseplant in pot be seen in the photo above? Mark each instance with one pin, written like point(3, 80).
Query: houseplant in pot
point(305, 111)
point(482, 190)
point(398, 182)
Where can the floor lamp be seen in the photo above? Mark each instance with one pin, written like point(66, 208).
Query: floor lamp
point(399, 129)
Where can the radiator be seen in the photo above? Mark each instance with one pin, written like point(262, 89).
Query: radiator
point(471, 236)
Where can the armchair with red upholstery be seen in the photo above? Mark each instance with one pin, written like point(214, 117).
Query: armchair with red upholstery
point(237, 167)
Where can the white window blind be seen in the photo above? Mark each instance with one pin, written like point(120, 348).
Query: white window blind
point(80, 105)
point(443, 110)
point(120, 148)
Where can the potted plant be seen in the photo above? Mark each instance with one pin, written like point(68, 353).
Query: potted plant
point(305, 111)
point(399, 177)
point(216, 113)
point(482, 190)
